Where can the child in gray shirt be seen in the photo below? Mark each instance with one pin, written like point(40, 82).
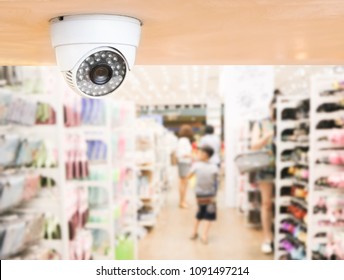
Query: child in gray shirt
point(206, 186)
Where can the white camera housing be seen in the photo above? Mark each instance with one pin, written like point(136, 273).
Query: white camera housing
point(94, 52)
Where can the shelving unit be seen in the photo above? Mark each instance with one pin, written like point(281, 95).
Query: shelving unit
point(123, 118)
point(45, 203)
point(317, 230)
point(290, 163)
point(154, 146)
point(105, 153)
point(326, 234)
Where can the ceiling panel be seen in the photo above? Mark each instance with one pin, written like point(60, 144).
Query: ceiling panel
point(160, 85)
point(190, 32)
point(157, 85)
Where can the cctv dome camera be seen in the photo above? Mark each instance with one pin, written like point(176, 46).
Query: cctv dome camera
point(94, 52)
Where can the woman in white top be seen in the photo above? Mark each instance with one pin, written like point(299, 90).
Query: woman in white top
point(184, 158)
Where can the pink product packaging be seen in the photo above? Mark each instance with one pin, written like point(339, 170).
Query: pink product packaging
point(69, 158)
point(121, 146)
point(77, 111)
point(337, 137)
point(87, 245)
point(71, 111)
point(31, 186)
point(336, 158)
point(76, 158)
point(336, 180)
point(81, 247)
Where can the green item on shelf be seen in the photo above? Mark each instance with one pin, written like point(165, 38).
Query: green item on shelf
point(125, 249)
point(116, 174)
point(117, 211)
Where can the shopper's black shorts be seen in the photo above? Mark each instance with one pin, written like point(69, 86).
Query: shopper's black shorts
point(206, 212)
point(265, 175)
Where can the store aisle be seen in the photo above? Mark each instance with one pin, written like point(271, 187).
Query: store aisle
point(229, 239)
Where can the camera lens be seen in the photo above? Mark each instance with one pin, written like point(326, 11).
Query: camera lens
point(101, 74)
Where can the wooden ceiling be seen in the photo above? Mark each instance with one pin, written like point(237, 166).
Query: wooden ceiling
point(181, 32)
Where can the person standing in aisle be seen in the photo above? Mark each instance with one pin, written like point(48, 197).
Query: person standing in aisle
point(206, 179)
point(262, 138)
point(213, 141)
point(184, 160)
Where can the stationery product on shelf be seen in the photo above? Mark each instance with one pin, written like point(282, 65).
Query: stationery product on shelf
point(96, 150)
point(18, 231)
point(21, 111)
point(38, 252)
point(17, 188)
point(84, 112)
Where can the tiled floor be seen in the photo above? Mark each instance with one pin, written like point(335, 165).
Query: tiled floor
point(230, 237)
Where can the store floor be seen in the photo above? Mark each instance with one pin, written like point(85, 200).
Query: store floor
point(230, 238)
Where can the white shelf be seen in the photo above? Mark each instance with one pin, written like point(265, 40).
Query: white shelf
point(300, 182)
point(327, 116)
point(56, 245)
point(88, 129)
point(285, 182)
point(328, 99)
point(98, 257)
point(285, 164)
point(88, 183)
point(41, 130)
point(289, 124)
point(325, 169)
point(286, 145)
point(301, 162)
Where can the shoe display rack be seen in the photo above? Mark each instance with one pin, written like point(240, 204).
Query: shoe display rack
point(291, 184)
point(326, 196)
point(309, 178)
